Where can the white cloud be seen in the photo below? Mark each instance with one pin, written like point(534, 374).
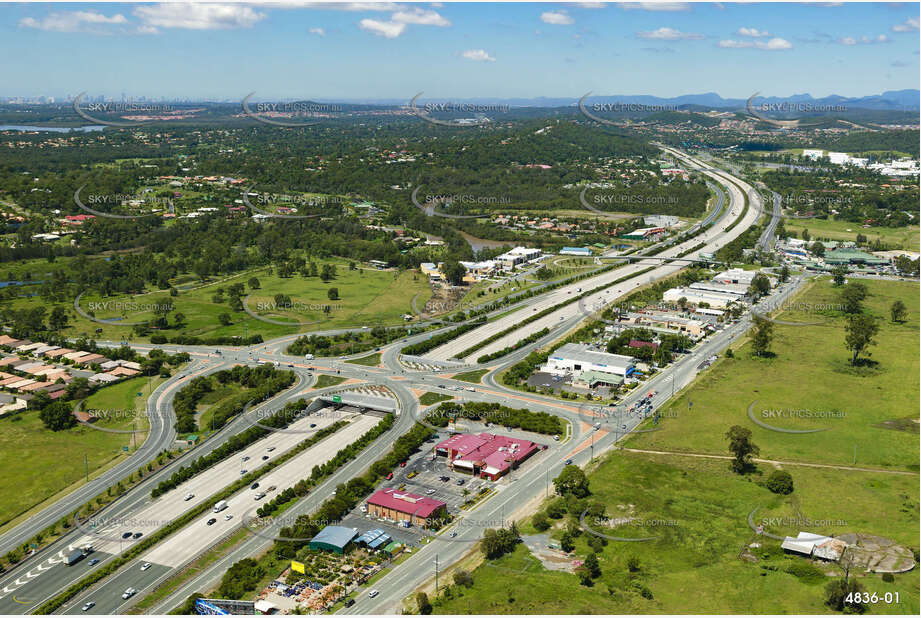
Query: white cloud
point(864, 40)
point(478, 55)
point(317, 31)
point(335, 6)
point(386, 29)
point(557, 18)
point(752, 32)
point(656, 6)
point(589, 5)
point(74, 21)
point(774, 44)
point(198, 16)
point(147, 30)
point(669, 34)
point(420, 17)
point(908, 25)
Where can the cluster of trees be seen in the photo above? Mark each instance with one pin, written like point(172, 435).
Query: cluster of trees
point(497, 543)
point(351, 342)
point(527, 420)
point(861, 327)
point(668, 345)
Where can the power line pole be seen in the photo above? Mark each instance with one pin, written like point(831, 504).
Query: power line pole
point(436, 575)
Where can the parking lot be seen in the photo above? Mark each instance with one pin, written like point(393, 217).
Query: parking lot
point(424, 475)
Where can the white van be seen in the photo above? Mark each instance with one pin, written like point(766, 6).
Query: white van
point(308, 357)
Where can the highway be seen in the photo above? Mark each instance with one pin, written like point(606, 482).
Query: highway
point(713, 239)
point(21, 591)
point(766, 241)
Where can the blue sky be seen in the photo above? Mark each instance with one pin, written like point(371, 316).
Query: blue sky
point(457, 50)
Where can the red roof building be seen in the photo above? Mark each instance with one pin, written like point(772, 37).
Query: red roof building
point(636, 343)
point(487, 455)
point(402, 506)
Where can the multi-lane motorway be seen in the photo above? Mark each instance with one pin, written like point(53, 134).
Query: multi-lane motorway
point(44, 576)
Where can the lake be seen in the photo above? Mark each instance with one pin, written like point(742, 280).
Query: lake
point(22, 127)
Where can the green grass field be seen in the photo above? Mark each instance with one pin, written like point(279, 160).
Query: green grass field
point(365, 297)
point(325, 381)
point(697, 510)
point(371, 360)
point(472, 376)
point(896, 237)
point(38, 462)
point(811, 371)
point(428, 399)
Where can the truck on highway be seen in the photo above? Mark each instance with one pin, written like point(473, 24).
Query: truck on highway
point(220, 506)
point(77, 555)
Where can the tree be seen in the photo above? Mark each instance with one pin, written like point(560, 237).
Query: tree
point(224, 319)
point(566, 542)
point(57, 416)
point(39, 400)
point(836, 595)
point(760, 285)
point(591, 563)
point(898, 310)
point(852, 295)
point(422, 602)
point(572, 480)
point(805, 235)
point(683, 302)
point(179, 319)
point(839, 274)
point(253, 283)
point(818, 249)
point(540, 521)
point(742, 448)
point(332, 293)
point(780, 482)
point(784, 273)
point(859, 334)
point(761, 339)
point(58, 318)
point(454, 272)
point(463, 578)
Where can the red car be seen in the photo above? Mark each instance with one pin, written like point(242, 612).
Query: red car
point(403, 465)
point(390, 476)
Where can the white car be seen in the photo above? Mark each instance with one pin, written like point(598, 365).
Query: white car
point(189, 496)
point(145, 566)
point(228, 516)
point(373, 593)
point(130, 592)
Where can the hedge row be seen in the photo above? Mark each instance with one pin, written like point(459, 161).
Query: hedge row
point(433, 342)
point(509, 349)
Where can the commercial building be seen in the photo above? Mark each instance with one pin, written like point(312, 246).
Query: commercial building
point(374, 539)
point(736, 275)
point(661, 220)
point(486, 455)
point(573, 357)
point(720, 300)
point(334, 538)
point(666, 321)
point(402, 506)
point(739, 290)
point(517, 256)
point(646, 233)
point(478, 270)
point(594, 379)
point(579, 251)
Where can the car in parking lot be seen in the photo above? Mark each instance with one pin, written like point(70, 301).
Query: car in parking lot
point(145, 566)
point(429, 491)
point(349, 602)
point(228, 516)
point(460, 481)
point(211, 521)
point(130, 592)
point(444, 479)
point(88, 606)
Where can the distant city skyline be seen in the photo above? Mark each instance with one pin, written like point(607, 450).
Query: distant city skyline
point(355, 51)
